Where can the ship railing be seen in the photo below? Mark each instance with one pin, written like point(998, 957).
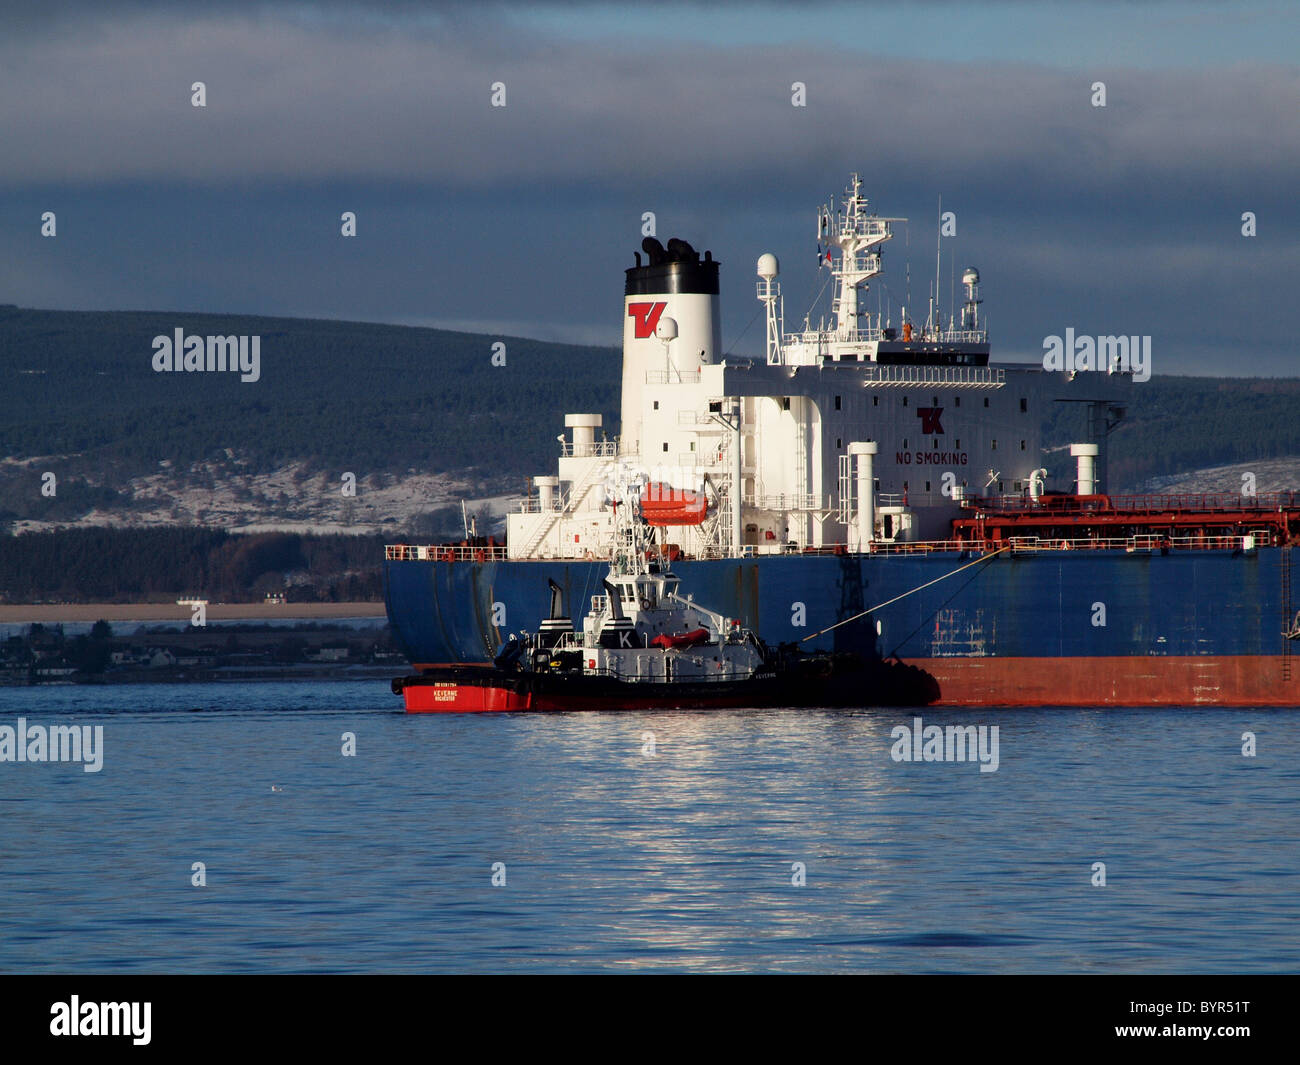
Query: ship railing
point(533, 505)
point(891, 376)
point(789, 501)
point(672, 377)
point(700, 458)
point(1141, 542)
point(602, 449)
point(658, 681)
point(441, 553)
point(1138, 504)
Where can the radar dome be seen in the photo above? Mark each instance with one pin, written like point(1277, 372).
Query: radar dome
point(666, 329)
point(768, 267)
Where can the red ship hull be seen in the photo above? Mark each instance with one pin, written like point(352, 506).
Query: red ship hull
point(1153, 680)
point(844, 681)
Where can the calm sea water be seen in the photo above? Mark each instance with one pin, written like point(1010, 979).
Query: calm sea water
point(616, 860)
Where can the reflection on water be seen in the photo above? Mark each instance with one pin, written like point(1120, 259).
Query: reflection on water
point(616, 859)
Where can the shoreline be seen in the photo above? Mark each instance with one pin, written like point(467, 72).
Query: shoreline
point(55, 613)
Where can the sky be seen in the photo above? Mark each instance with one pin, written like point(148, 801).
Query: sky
point(519, 220)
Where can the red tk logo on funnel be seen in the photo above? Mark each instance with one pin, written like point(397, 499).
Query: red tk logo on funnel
point(647, 318)
point(930, 424)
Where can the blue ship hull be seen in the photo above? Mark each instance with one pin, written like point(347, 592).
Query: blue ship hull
point(1048, 628)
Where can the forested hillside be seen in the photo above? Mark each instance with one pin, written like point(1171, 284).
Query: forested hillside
point(351, 395)
point(155, 565)
point(1179, 424)
point(78, 390)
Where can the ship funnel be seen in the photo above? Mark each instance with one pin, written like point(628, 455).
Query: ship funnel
point(584, 428)
point(675, 290)
point(554, 627)
point(864, 531)
point(1087, 456)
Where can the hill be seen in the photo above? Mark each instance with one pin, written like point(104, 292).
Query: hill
point(421, 417)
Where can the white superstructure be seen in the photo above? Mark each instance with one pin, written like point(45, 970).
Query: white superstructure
point(852, 434)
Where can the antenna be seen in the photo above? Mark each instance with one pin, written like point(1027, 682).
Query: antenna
point(907, 241)
point(938, 247)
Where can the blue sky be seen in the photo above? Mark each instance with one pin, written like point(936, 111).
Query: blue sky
point(1058, 34)
point(520, 221)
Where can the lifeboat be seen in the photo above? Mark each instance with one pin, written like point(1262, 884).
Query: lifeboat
point(662, 506)
point(684, 639)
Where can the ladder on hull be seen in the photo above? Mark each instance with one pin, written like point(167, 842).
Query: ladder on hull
point(1290, 629)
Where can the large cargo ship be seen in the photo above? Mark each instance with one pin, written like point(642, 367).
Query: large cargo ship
point(881, 488)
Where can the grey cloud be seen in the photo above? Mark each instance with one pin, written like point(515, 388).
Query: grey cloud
point(296, 103)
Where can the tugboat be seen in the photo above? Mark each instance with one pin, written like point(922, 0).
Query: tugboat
point(644, 645)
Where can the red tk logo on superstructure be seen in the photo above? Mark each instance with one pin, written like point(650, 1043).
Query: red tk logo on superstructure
point(930, 424)
point(646, 317)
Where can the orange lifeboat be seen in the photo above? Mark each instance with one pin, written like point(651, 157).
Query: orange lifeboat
point(662, 505)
